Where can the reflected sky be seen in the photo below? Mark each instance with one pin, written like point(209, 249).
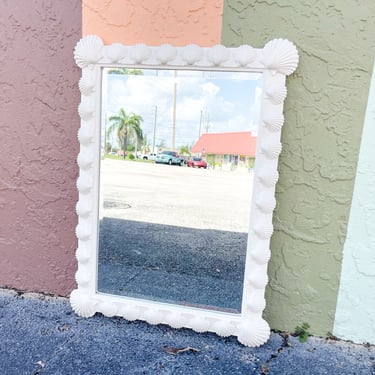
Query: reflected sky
point(212, 102)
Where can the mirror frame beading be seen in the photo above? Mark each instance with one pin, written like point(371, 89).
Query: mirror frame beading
point(278, 59)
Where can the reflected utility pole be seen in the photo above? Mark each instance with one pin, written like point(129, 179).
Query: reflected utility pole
point(207, 126)
point(174, 110)
point(154, 131)
point(105, 134)
point(200, 125)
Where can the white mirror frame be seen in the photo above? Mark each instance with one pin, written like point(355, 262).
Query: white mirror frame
point(275, 61)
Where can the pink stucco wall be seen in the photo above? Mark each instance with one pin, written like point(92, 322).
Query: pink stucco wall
point(38, 126)
point(154, 22)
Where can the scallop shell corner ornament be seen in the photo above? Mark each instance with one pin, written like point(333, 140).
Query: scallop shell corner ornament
point(88, 51)
point(82, 304)
point(280, 55)
point(254, 333)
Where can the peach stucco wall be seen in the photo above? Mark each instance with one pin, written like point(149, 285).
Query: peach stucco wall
point(153, 22)
point(38, 126)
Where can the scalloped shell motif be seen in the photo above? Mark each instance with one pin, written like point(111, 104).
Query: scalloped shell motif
point(280, 55)
point(250, 334)
point(82, 304)
point(88, 51)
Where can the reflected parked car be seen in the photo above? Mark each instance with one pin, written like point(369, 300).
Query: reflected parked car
point(169, 157)
point(149, 156)
point(196, 162)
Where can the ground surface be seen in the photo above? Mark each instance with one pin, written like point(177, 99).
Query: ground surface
point(41, 335)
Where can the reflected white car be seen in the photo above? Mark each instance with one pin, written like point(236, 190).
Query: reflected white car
point(150, 156)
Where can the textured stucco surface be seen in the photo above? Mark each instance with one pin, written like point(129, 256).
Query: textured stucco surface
point(324, 115)
point(38, 126)
point(154, 22)
point(355, 313)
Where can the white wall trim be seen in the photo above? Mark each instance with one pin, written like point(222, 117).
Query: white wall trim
point(355, 312)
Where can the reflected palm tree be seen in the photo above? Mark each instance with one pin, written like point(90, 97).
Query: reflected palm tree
point(185, 150)
point(127, 126)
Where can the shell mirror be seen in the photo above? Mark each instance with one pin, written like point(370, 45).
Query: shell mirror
point(178, 163)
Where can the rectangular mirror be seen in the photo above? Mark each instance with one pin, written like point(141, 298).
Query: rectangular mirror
point(185, 229)
point(178, 166)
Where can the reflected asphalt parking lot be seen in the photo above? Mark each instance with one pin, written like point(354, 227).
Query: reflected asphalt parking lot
point(174, 234)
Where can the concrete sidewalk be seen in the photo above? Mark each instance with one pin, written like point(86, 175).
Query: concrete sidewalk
point(42, 335)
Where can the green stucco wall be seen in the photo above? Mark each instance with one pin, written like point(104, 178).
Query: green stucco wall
point(324, 115)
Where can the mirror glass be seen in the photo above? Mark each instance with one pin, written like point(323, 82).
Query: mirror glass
point(176, 174)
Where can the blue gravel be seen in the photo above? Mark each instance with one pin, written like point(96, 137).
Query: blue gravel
point(42, 335)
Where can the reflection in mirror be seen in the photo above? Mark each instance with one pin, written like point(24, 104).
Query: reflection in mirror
point(176, 175)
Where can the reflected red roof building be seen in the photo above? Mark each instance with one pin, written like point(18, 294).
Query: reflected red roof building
point(236, 143)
